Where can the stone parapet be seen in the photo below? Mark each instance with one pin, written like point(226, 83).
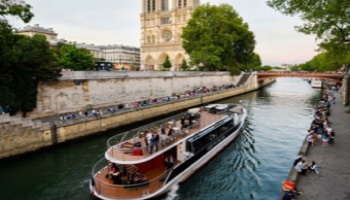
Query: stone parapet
point(83, 90)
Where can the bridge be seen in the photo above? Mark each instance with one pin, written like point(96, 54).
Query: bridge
point(334, 77)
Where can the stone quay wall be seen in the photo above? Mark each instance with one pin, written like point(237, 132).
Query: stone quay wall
point(18, 136)
point(76, 91)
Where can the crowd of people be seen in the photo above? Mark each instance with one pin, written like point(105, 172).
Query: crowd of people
point(141, 104)
point(320, 129)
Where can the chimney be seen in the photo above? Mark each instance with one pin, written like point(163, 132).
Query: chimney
point(36, 25)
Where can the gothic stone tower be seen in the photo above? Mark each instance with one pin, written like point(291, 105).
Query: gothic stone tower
point(161, 26)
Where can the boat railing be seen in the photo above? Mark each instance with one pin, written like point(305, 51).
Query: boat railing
point(122, 137)
point(105, 187)
point(128, 150)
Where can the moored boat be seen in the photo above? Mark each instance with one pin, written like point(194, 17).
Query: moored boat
point(316, 83)
point(148, 161)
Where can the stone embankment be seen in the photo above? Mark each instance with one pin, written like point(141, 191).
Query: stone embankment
point(333, 180)
point(18, 137)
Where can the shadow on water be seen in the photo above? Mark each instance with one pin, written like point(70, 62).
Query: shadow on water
point(252, 167)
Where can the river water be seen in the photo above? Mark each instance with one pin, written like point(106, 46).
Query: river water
point(252, 167)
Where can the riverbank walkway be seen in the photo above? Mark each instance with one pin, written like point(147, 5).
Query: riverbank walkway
point(333, 180)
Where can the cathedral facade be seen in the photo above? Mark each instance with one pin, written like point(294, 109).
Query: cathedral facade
point(161, 27)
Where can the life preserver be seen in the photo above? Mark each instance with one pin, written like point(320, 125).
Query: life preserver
point(288, 185)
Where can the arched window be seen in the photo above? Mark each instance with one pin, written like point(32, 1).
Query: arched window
point(153, 5)
point(148, 6)
point(179, 4)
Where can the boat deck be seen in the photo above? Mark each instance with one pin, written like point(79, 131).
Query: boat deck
point(126, 151)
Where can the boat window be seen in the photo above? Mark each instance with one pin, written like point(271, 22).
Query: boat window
point(205, 138)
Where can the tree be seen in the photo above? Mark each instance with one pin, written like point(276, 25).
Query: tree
point(16, 8)
point(167, 64)
point(78, 59)
point(24, 61)
point(254, 64)
point(327, 19)
point(29, 61)
point(216, 38)
point(184, 65)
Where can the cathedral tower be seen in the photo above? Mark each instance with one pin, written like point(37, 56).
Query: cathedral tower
point(161, 26)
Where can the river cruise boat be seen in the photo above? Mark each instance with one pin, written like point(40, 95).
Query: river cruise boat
point(147, 162)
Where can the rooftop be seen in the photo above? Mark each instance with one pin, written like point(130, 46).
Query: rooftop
point(38, 29)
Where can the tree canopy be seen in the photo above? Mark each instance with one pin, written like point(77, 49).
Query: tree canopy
point(216, 38)
point(167, 64)
point(24, 61)
point(326, 61)
point(71, 57)
point(16, 8)
point(327, 19)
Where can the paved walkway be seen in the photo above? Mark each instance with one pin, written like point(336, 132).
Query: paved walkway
point(333, 181)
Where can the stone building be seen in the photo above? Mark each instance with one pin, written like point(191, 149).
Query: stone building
point(50, 35)
point(94, 50)
point(161, 27)
point(122, 57)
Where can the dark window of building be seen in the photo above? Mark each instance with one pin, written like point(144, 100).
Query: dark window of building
point(153, 5)
point(148, 6)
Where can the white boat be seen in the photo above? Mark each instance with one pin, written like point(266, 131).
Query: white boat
point(316, 83)
point(131, 171)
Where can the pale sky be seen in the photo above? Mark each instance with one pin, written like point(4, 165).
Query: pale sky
point(102, 22)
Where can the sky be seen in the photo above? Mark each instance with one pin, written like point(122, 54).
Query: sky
point(102, 22)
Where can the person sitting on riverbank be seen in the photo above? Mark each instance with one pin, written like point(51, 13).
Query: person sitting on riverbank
point(301, 167)
point(290, 189)
point(296, 161)
point(290, 195)
point(311, 137)
point(313, 167)
point(325, 139)
point(331, 138)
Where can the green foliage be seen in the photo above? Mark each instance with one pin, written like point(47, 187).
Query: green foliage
point(216, 38)
point(254, 64)
point(184, 65)
point(24, 61)
point(306, 67)
point(294, 68)
point(326, 61)
point(71, 57)
point(167, 64)
point(266, 68)
point(327, 19)
point(17, 9)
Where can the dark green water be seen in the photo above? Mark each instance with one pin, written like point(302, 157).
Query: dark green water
point(252, 167)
